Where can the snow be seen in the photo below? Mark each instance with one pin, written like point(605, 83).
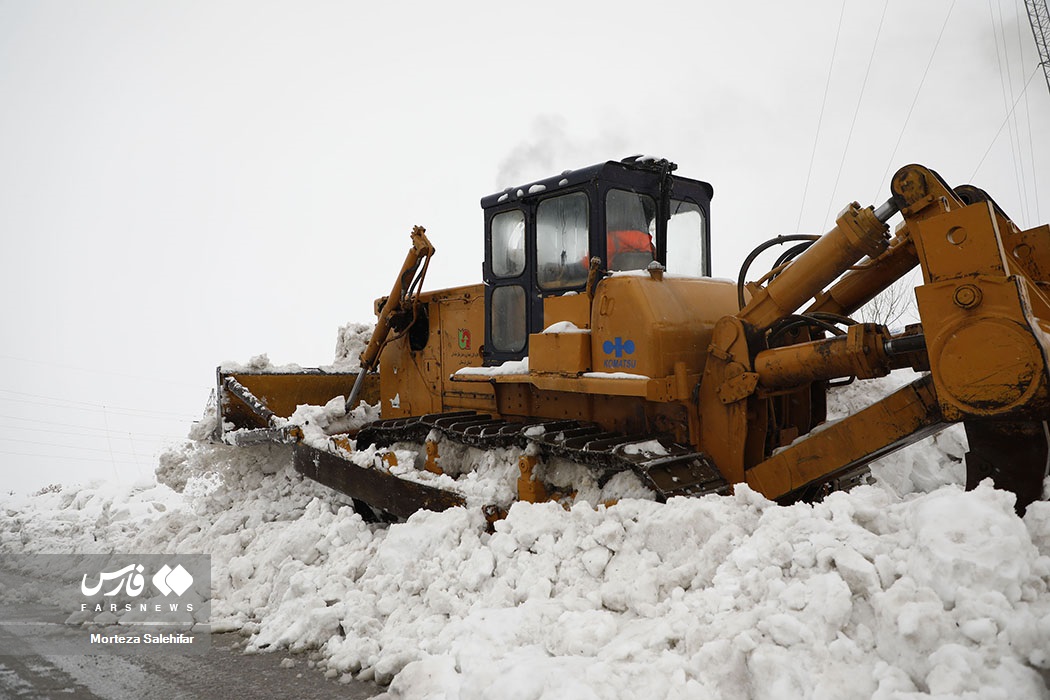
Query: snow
point(649, 447)
point(258, 363)
point(906, 588)
point(565, 327)
point(667, 275)
point(614, 375)
point(350, 342)
point(318, 423)
point(507, 368)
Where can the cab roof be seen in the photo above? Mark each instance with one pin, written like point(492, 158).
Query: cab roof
point(641, 172)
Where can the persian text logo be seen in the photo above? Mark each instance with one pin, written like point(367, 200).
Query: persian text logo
point(130, 578)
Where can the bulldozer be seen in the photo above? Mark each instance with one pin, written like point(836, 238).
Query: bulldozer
point(599, 338)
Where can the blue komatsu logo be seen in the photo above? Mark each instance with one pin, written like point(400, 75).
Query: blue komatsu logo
point(618, 348)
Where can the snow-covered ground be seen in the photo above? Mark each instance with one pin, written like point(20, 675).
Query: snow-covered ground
point(906, 588)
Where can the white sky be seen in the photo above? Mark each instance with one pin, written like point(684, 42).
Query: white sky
point(183, 183)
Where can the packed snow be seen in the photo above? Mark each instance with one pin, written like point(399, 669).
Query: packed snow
point(501, 370)
point(906, 588)
point(614, 375)
point(565, 327)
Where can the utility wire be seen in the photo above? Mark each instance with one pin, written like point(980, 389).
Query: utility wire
point(96, 408)
point(911, 109)
point(76, 425)
point(1028, 118)
point(849, 137)
point(820, 119)
point(146, 437)
point(90, 370)
point(78, 448)
point(1008, 81)
point(75, 459)
point(996, 137)
point(83, 403)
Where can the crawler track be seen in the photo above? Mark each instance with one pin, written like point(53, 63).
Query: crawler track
point(672, 470)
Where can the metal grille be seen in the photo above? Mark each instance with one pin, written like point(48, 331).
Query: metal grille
point(1039, 16)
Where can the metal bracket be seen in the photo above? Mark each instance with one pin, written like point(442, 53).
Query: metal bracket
point(738, 388)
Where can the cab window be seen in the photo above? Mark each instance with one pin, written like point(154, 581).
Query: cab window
point(685, 239)
point(508, 243)
point(562, 251)
point(507, 318)
point(630, 224)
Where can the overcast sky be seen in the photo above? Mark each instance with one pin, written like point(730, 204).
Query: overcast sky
point(183, 183)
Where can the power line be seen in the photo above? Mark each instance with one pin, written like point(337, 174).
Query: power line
point(84, 403)
point(1031, 139)
point(92, 370)
point(77, 425)
point(915, 100)
point(74, 459)
point(1007, 80)
point(849, 137)
point(148, 437)
point(95, 408)
point(820, 119)
point(996, 137)
point(78, 448)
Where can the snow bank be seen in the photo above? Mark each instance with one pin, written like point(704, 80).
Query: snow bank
point(882, 592)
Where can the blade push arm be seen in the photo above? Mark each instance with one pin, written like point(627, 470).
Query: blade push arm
point(984, 322)
point(398, 309)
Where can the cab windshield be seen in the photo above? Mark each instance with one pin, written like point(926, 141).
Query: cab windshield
point(630, 226)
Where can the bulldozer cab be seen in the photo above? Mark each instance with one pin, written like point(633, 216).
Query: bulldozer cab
point(540, 238)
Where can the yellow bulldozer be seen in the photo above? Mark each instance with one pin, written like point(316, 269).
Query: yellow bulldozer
point(599, 338)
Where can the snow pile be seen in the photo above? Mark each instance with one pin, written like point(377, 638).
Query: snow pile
point(882, 592)
point(350, 342)
point(724, 597)
point(318, 423)
point(936, 462)
point(259, 364)
point(84, 519)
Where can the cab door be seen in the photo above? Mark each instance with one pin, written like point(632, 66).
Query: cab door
point(540, 248)
point(507, 275)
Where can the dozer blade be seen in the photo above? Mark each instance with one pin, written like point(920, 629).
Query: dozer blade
point(378, 489)
point(1015, 455)
point(251, 401)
